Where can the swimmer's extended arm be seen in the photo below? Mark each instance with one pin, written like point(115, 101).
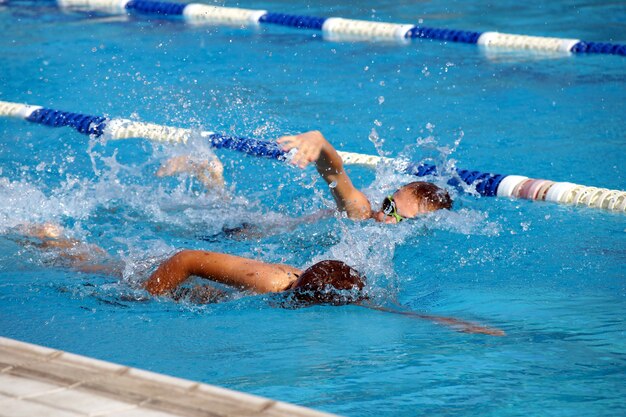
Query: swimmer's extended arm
point(227, 269)
point(313, 147)
point(454, 323)
point(458, 324)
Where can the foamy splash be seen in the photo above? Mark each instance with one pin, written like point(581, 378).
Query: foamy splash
point(139, 219)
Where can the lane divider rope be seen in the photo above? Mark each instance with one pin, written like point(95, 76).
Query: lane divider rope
point(337, 29)
point(486, 184)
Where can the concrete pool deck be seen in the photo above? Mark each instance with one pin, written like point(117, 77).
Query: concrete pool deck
point(39, 381)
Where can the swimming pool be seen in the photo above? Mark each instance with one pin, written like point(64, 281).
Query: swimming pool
point(551, 276)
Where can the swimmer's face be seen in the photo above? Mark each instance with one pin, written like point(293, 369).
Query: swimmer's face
point(406, 206)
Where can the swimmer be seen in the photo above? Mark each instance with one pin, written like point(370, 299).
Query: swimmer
point(329, 282)
point(407, 202)
point(311, 286)
point(410, 200)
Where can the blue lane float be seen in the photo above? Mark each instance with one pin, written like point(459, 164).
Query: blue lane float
point(334, 28)
point(486, 184)
point(87, 125)
point(155, 7)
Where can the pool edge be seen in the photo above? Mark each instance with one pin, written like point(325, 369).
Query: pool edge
point(34, 378)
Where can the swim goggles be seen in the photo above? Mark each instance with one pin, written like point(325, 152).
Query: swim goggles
point(389, 208)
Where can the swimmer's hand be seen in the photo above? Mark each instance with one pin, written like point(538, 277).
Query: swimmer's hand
point(209, 173)
point(313, 147)
point(309, 145)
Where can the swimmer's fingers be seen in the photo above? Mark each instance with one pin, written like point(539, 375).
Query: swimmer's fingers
point(294, 142)
point(286, 140)
point(289, 142)
point(308, 150)
point(303, 157)
point(313, 151)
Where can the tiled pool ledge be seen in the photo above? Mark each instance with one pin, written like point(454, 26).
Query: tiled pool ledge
point(38, 381)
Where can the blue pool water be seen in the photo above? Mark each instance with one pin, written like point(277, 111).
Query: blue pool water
point(551, 276)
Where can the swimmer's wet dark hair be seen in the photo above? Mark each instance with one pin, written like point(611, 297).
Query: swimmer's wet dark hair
point(328, 282)
point(436, 197)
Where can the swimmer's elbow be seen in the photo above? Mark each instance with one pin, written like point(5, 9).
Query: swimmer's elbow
point(170, 273)
point(357, 206)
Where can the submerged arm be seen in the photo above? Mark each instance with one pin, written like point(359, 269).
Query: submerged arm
point(227, 269)
point(456, 324)
point(313, 147)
